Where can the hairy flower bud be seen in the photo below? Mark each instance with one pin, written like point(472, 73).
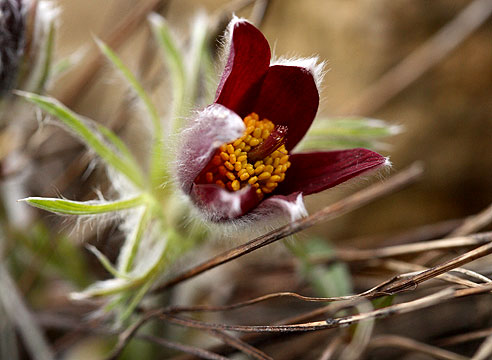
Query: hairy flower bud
point(26, 42)
point(12, 41)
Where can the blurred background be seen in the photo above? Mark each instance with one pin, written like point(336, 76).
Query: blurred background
point(445, 112)
point(425, 66)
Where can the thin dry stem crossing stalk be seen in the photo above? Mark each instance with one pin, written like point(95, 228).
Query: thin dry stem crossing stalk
point(240, 345)
point(259, 11)
point(410, 344)
point(424, 302)
point(208, 308)
point(127, 335)
point(330, 212)
point(420, 233)
point(469, 336)
point(191, 350)
point(350, 255)
point(475, 222)
point(404, 266)
point(392, 286)
point(389, 287)
point(484, 352)
point(332, 348)
point(458, 261)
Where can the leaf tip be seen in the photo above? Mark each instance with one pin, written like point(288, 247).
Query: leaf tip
point(155, 19)
point(22, 93)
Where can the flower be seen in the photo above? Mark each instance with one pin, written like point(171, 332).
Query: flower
point(236, 158)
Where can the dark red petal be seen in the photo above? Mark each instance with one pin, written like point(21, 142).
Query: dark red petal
point(289, 96)
point(247, 64)
point(317, 171)
point(220, 205)
point(291, 205)
point(211, 127)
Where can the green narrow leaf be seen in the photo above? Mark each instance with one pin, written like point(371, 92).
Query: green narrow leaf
point(129, 250)
point(70, 207)
point(157, 166)
point(198, 54)
point(134, 83)
point(330, 143)
point(120, 285)
point(136, 300)
point(336, 133)
point(117, 143)
point(327, 280)
point(383, 301)
point(48, 57)
point(210, 75)
point(88, 135)
point(106, 263)
point(159, 257)
point(175, 63)
point(67, 63)
point(355, 126)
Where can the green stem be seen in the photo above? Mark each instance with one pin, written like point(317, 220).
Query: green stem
point(131, 249)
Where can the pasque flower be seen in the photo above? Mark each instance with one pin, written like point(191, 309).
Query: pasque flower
point(236, 159)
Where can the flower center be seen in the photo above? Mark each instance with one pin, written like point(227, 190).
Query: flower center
point(258, 158)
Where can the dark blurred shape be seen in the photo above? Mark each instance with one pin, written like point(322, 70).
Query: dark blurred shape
point(12, 40)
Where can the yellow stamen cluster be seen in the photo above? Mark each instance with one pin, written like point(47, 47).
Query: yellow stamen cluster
point(230, 168)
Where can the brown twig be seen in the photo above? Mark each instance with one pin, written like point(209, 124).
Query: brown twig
point(410, 344)
point(471, 224)
point(58, 322)
point(350, 255)
point(392, 286)
point(259, 12)
point(421, 233)
point(197, 352)
point(484, 352)
point(423, 302)
point(332, 348)
point(350, 203)
point(469, 336)
point(422, 59)
point(475, 222)
point(458, 261)
point(404, 266)
point(389, 287)
point(207, 308)
point(240, 345)
point(390, 264)
point(125, 336)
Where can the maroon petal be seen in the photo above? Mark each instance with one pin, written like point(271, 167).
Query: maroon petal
point(247, 64)
point(291, 206)
point(289, 96)
point(211, 127)
point(219, 205)
point(317, 171)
